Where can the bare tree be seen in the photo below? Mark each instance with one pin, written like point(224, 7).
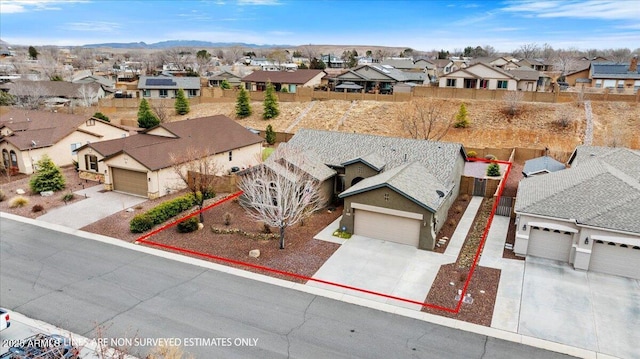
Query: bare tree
point(278, 56)
point(564, 116)
point(48, 65)
point(29, 95)
point(161, 111)
point(618, 55)
point(279, 192)
point(197, 169)
point(490, 50)
point(529, 51)
point(513, 101)
point(88, 95)
point(85, 59)
point(309, 51)
point(424, 119)
point(547, 51)
point(233, 54)
point(565, 61)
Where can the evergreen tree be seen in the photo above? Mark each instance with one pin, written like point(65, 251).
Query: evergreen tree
point(270, 103)
point(462, 117)
point(146, 118)
point(33, 53)
point(48, 177)
point(493, 170)
point(317, 64)
point(302, 66)
point(243, 106)
point(182, 104)
point(270, 135)
point(225, 85)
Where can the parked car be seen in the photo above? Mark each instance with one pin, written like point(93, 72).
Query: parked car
point(43, 346)
point(4, 319)
point(563, 85)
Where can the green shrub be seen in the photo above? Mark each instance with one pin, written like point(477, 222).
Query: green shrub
point(225, 85)
point(68, 197)
point(270, 135)
point(188, 225)
point(472, 154)
point(101, 116)
point(48, 177)
point(493, 170)
point(270, 103)
point(161, 213)
point(140, 223)
point(181, 104)
point(243, 105)
point(18, 201)
point(462, 117)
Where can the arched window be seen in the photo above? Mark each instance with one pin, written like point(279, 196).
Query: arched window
point(5, 159)
point(14, 159)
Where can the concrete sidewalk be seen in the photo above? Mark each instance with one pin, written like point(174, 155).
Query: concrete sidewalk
point(457, 239)
point(95, 207)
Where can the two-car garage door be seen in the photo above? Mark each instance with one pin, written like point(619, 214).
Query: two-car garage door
point(550, 243)
point(387, 227)
point(128, 181)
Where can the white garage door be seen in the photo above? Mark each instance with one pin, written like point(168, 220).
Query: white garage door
point(616, 259)
point(387, 227)
point(549, 243)
point(130, 181)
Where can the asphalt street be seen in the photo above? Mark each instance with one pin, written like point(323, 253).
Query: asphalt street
point(139, 299)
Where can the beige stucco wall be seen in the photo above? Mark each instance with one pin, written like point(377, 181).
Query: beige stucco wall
point(82, 166)
point(21, 157)
point(243, 157)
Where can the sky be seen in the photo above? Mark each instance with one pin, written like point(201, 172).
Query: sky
point(420, 24)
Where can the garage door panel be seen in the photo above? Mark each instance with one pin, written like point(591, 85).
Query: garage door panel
point(387, 227)
point(615, 259)
point(550, 244)
point(128, 181)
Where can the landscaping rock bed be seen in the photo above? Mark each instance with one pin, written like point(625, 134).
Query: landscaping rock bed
point(456, 211)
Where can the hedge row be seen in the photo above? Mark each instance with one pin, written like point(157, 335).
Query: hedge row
point(160, 213)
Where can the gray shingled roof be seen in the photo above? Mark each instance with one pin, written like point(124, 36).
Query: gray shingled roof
point(412, 180)
point(601, 191)
point(185, 83)
point(614, 71)
point(541, 164)
point(335, 148)
point(372, 160)
point(307, 160)
point(624, 159)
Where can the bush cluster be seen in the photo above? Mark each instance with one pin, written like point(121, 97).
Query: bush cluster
point(160, 213)
point(188, 225)
point(18, 201)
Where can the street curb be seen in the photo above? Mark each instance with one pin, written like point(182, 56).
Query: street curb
point(426, 317)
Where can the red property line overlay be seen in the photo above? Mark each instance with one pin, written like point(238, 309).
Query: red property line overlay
point(456, 310)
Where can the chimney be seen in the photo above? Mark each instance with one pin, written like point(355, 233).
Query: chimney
point(633, 65)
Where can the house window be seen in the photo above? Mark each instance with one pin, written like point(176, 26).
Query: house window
point(386, 197)
point(14, 159)
point(164, 93)
point(5, 159)
point(451, 82)
point(74, 147)
point(91, 163)
point(502, 84)
point(230, 155)
point(91, 122)
point(598, 83)
point(447, 69)
point(146, 93)
point(636, 85)
point(193, 93)
point(484, 84)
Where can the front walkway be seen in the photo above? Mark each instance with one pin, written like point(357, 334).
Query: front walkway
point(95, 207)
point(386, 267)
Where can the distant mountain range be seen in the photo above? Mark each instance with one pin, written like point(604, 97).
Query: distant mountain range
point(176, 43)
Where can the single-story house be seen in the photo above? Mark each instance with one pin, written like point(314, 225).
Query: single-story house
point(541, 165)
point(291, 80)
point(381, 78)
point(480, 76)
point(164, 86)
point(618, 76)
point(142, 164)
point(587, 215)
point(394, 189)
point(25, 136)
point(70, 94)
point(530, 79)
point(216, 79)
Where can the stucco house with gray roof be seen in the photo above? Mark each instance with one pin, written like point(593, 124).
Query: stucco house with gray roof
point(394, 189)
point(587, 215)
point(374, 77)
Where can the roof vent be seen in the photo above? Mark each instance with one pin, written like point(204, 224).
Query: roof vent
point(440, 193)
point(33, 143)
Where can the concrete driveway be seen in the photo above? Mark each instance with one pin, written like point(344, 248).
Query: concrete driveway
point(95, 207)
point(584, 309)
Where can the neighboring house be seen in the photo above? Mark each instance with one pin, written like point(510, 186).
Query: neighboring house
point(25, 136)
point(587, 215)
point(291, 80)
point(480, 76)
point(233, 79)
point(142, 164)
point(394, 189)
point(107, 85)
point(535, 64)
point(333, 61)
point(530, 79)
point(167, 86)
point(541, 165)
point(55, 93)
point(405, 64)
point(618, 76)
point(379, 78)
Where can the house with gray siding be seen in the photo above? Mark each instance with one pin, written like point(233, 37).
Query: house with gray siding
point(587, 215)
point(394, 189)
point(166, 86)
